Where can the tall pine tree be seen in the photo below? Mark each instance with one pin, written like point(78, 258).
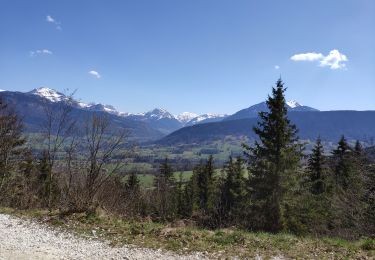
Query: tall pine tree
point(316, 166)
point(164, 191)
point(343, 166)
point(272, 163)
point(203, 181)
point(233, 191)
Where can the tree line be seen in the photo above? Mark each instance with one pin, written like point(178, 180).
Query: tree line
point(273, 187)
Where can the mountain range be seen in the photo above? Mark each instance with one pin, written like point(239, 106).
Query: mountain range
point(146, 126)
point(162, 127)
point(328, 125)
point(253, 111)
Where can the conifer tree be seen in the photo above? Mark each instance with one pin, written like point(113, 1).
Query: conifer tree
point(43, 180)
point(316, 168)
point(205, 184)
point(348, 203)
point(181, 198)
point(165, 171)
point(189, 192)
point(133, 194)
point(272, 163)
point(163, 186)
point(343, 164)
point(233, 190)
point(132, 183)
point(358, 147)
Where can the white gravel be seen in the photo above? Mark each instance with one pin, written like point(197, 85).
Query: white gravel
point(26, 239)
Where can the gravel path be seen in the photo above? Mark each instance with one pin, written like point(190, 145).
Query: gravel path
point(26, 239)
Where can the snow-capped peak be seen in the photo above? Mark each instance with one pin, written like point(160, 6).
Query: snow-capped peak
point(48, 93)
point(293, 103)
point(185, 117)
point(159, 113)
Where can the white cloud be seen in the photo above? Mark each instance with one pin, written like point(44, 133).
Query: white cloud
point(40, 52)
point(277, 67)
point(334, 60)
point(95, 74)
point(310, 56)
point(50, 19)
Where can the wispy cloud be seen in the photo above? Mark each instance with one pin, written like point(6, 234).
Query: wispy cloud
point(40, 52)
point(334, 60)
point(277, 67)
point(95, 74)
point(50, 19)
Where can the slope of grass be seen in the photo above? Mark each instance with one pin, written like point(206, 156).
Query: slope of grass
point(217, 243)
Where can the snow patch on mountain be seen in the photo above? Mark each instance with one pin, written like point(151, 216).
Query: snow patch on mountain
point(185, 117)
point(293, 104)
point(206, 118)
point(55, 96)
point(50, 94)
point(158, 113)
point(83, 105)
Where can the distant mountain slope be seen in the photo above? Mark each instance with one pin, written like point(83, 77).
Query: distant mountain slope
point(158, 118)
point(253, 111)
point(329, 125)
point(30, 106)
point(206, 118)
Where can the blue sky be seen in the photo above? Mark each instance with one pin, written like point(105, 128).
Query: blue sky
point(197, 56)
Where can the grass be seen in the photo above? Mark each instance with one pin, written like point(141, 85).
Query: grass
point(223, 243)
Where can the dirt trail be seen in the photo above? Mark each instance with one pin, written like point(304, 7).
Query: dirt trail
point(25, 239)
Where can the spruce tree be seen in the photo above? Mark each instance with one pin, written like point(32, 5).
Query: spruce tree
point(43, 180)
point(348, 203)
point(358, 147)
point(316, 164)
point(205, 184)
point(343, 166)
point(233, 191)
point(181, 197)
point(132, 198)
point(163, 189)
point(132, 184)
point(272, 163)
point(190, 195)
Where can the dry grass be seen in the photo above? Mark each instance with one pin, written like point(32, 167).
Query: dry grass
point(217, 243)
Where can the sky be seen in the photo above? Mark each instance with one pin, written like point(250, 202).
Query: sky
point(210, 56)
